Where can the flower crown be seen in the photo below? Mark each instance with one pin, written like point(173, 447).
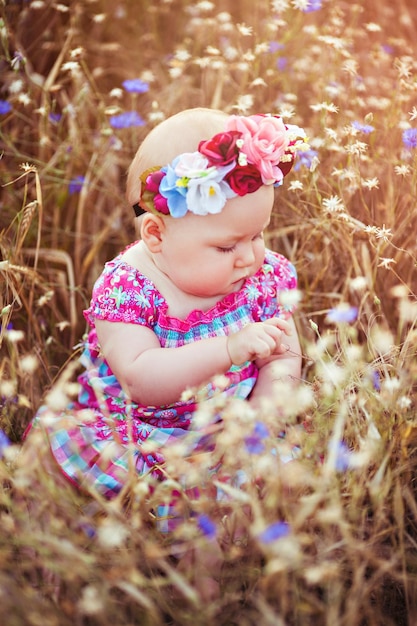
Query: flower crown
point(252, 151)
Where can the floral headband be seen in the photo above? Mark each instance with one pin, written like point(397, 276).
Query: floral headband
point(252, 151)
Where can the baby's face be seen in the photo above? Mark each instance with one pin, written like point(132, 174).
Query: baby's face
point(211, 256)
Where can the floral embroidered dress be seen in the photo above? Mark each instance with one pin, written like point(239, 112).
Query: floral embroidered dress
point(98, 438)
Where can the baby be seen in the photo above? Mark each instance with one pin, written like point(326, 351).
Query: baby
point(197, 296)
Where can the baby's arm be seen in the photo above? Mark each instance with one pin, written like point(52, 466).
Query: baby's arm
point(156, 376)
point(279, 367)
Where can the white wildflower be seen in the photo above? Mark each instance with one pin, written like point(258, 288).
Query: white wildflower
point(244, 29)
point(333, 204)
point(90, 602)
point(325, 106)
point(372, 27)
point(279, 6)
point(112, 534)
point(403, 402)
point(99, 18)
point(295, 185)
point(371, 183)
point(402, 170)
point(386, 263)
point(413, 114)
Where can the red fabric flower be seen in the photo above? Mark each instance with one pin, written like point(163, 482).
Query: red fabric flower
point(244, 179)
point(221, 149)
point(151, 193)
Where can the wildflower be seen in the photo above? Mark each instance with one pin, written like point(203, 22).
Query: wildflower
point(312, 5)
point(376, 380)
point(383, 233)
point(244, 30)
point(413, 114)
point(372, 27)
point(305, 159)
point(254, 443)
point(207, 526)
point(402, 170)
point(333, 204)
point(4, 443)
point(386, 263)
point(273, 532)
point(135, 85)
point(342, 454)
point(126, 120)
point(5, 107)
point(370, 183)
point(363, 128)
point(295, 185)
point(54, 117)
point(410, 137)
point(342, 314)
point(279, 6)
point(76, 184)
point(325, 106)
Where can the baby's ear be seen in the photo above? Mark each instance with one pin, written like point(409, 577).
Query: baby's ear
point(151, 231)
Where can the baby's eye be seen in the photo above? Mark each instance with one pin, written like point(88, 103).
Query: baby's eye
point(226, 249)
point(259, 235)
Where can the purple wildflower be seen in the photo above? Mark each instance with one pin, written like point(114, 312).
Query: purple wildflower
point(4, 442)
point(275, 46)
point(410, 137)
point(305, 159)
point(274, 531)
point(54, 117)
point(126, 120)
point(313, 5)
point(343, 457)
point(253, 442)
point(135, 85)
point(207, 526)
point(363, 128)
point(376, 380)
point(342, 315)
point(282, 63)
point(5, 107)
point(76, 184)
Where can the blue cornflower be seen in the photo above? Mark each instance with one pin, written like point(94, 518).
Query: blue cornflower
point(76, 184)
point(363, 128)
point(313, 5)
point(5, 107)
point(282, 63)
point(347, 314)
point(126, 120)
point(343, 456)
point(135, 85)
point(207, 526)
point(4, 442)
point(410, 137)
point(254, 443)
point(275, 46)
point(274, 531)
point(54, 117)
point(305, 159)
point(376, 380)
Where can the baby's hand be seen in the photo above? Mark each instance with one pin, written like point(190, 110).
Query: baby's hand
point(259, 340)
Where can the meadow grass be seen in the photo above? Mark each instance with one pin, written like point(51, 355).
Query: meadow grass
point(329, 538)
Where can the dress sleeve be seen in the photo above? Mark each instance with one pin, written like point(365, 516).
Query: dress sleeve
point(123, 294)
point(277, 277)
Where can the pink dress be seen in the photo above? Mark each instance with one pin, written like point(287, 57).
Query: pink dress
point(94, 439)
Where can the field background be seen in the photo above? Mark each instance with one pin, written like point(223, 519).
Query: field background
point(329, 539)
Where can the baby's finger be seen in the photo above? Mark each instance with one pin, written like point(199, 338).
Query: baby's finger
point(278, 322)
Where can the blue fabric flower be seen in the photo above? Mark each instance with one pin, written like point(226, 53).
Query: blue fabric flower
point(135, 85)
point(126, 120)
point(174, 193)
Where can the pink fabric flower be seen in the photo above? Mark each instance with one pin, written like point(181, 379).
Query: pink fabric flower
point(264, 141)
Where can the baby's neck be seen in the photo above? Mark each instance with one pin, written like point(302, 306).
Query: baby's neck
point(180, 304)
